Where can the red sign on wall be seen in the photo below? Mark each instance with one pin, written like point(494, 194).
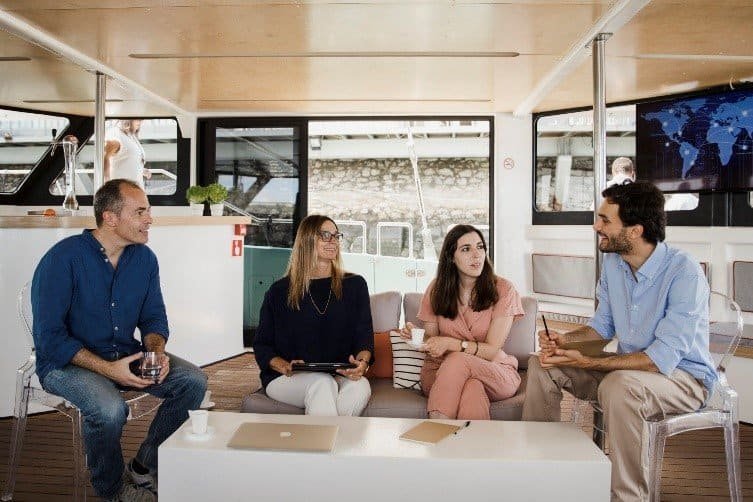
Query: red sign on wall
point(240, 229)
point(237, 248)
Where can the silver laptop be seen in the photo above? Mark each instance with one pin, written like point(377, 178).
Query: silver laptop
point(292, 437)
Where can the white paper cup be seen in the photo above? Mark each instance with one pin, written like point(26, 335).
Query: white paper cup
point(417, 336)
point(199, 421)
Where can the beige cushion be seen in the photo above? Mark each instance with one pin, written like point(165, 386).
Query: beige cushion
point(385, 310)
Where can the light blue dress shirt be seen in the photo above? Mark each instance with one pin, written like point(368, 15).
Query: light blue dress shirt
point(662, 310)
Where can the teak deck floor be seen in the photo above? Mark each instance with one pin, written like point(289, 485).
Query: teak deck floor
point(694, 467)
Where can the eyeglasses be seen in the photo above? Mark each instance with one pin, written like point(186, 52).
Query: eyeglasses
point(327, 236)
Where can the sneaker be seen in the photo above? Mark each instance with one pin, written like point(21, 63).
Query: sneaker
point(147, 481)
point(129, 492)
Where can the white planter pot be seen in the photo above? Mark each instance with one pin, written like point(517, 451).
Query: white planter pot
point(196, 209)
point(217, 209)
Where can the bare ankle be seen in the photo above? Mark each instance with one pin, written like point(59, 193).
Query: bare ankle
point(438, 414)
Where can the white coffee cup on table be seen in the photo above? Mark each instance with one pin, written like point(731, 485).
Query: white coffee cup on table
point(199, 421)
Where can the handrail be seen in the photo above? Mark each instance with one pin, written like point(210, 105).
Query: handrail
point(255, 220)
point(159, 171)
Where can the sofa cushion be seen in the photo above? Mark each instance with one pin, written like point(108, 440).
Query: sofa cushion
point(510, 408)
point(387, 401)
point(259, 402)
point(385, 310)
point(406, 364)
point(382, 367)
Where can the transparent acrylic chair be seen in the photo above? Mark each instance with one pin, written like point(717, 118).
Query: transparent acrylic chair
point(720, 410)
point(27, 391)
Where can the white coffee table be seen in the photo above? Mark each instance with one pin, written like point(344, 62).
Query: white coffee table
point(489, 460)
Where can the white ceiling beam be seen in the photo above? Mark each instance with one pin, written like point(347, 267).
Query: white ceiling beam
point(615, 18)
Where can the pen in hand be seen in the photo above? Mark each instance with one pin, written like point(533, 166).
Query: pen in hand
point(546, 328)
point(466, 424)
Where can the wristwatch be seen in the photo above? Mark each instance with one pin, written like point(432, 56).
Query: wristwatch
point(463, 346)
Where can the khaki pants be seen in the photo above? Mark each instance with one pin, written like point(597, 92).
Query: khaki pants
point(627, 398)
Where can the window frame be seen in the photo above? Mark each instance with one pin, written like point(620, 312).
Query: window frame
point(207, 135)
point(35, 189)
point(714, 208)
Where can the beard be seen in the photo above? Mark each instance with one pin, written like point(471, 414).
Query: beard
point(616, 243)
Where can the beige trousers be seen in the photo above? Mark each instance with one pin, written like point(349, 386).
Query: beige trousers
point(627, 398)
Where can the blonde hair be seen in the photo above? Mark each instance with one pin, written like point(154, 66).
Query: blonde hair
point(303, 261)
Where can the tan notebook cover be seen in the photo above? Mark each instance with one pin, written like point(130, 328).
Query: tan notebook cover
point(293, 437)
point(590, 348)
point(429, 432)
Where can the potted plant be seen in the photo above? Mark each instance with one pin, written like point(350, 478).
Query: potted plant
point(216, 195)
point(196, 196)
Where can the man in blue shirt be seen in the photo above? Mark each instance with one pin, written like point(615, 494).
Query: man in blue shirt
point(655, 300)
point(89, 293)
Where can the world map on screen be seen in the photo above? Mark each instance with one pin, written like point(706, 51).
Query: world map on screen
point(711, 129)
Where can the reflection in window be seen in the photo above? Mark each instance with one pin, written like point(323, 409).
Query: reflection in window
point(361, 172)
point(145, 151)
point(24, 139)
point(259, 167)
point(564, 156)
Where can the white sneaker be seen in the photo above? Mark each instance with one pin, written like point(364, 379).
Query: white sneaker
point(147, 481)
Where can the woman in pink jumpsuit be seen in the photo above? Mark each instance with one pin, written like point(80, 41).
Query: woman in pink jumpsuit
point(467, 313)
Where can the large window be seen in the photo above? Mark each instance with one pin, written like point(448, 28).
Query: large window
point(564, 174)
point(152, 143)
point(396, 186)
point(25, 138)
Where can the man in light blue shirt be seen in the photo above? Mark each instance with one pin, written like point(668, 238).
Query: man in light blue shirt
point(655, 299)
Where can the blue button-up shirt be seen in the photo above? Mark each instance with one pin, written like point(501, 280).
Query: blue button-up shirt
point(80, 301)
point(662, 310)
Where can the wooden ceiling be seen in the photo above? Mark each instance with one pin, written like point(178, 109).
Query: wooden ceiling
point(363, 57)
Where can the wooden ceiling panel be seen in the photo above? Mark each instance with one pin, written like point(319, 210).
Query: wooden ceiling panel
point(693, 27)
point(629, 79)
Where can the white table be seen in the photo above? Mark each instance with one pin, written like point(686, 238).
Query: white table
point(489, 460)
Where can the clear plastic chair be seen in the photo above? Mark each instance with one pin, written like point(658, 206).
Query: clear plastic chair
point(28, 390)
point(720, 410)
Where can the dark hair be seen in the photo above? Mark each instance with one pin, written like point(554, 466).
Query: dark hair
point(109, 198)
point(444, 296)
point(640, 203)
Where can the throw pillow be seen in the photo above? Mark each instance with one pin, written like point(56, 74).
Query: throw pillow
point(382, 367)
point(406, 364)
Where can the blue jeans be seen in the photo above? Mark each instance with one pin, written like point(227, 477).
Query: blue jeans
point(105, 413)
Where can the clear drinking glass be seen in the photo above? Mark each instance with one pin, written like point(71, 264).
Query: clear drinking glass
point(151, 365)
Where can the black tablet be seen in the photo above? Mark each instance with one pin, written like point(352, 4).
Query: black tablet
point(324, 367)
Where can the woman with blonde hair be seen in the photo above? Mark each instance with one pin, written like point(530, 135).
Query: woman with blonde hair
point(317, 313)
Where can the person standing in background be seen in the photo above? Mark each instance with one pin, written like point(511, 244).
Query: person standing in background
point(622, 172)
point(124, 155)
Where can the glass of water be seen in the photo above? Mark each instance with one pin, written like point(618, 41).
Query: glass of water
point(151, 366)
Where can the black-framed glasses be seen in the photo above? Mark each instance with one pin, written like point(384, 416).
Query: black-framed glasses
point(327, 236)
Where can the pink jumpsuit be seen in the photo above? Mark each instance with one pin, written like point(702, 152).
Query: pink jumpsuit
point(461, 385)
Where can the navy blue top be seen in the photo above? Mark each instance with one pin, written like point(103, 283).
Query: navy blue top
point(343, 329)
point(80, 301)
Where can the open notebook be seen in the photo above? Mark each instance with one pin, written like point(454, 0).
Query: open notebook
point(294, 437)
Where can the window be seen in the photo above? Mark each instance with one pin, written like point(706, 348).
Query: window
point(395, 183)
point(564, 175)
point(149, 142)
point(25, 138)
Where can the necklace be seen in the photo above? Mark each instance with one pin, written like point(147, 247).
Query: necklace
point(465, 322)
point(321, 311)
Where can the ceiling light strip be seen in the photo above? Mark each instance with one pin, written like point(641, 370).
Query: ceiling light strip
point(32, 34)
point(383, 54)
point(14, 59)
point(616, 17)
point(696, 57)
point(58, 101)
point(347, 100)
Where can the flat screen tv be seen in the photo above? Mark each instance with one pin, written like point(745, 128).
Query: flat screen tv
point(696, 144)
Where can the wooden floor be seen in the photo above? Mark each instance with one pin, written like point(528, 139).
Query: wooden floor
point(694, 466)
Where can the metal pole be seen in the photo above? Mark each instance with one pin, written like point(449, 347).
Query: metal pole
point(599, 136)
point(99, 130)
